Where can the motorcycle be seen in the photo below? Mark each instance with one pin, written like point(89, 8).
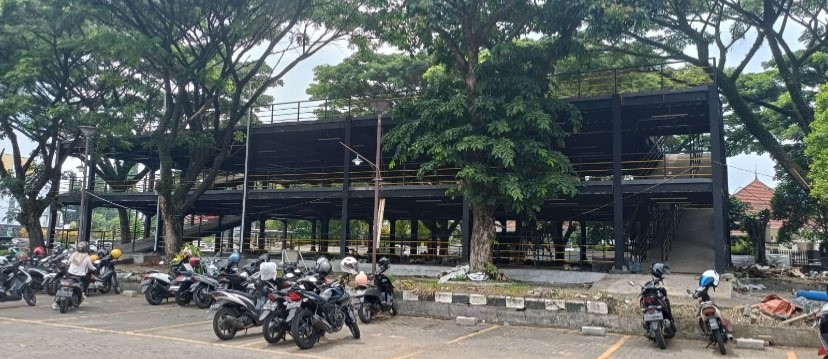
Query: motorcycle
point(158, 286)
point(376, 298)
point(325, 312)
point(821, 324)
point(657, 315)
point(70, 293)
point(713, 326)
point(106, 278)
point(15, 284)
point(236, 310)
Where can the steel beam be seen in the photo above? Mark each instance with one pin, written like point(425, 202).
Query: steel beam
point(617, 178)
point(720, 194)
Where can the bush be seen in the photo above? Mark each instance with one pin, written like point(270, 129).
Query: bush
point(741, 246)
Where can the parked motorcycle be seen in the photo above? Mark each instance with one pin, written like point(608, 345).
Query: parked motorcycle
point(15, 282)
point(158, 286)
point(105, 278)
point(281, 305)
point(324, 310)
point(821, 324)
point(70, 293)
point(236, 310)
point(655, 307)
point(376, 298)
point(713, 326)
point(224, 278)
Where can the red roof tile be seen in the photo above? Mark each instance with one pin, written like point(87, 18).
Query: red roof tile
point(757, 196)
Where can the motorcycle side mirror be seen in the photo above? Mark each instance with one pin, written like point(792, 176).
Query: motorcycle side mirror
point(688, 291)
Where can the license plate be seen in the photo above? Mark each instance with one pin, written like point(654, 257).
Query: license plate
point(291, 314)
point(713, 325)
point(649, 317)
point(270, 306)
point(215, 306)
point(292, 305)
point(66, 293)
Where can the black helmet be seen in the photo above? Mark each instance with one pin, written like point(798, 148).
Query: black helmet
point(265, 257)
point(384, 262)
point(658, 270)
point(323, 266)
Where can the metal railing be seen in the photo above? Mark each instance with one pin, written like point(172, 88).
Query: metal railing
point(652, 77)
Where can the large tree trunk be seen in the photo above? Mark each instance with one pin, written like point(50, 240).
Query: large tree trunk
point(482, 237)
point(123, 218)
point(560, 247)
point(173, 227)
point(30, 219)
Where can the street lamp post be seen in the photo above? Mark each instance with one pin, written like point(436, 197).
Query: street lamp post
point(83, 229)
point(380, 107)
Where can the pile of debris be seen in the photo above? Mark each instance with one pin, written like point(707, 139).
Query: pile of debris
point(760, 271)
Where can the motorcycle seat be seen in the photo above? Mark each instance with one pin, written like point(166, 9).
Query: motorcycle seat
point(245, 294)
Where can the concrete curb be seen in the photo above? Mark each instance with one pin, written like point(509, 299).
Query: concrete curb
point(572, 314)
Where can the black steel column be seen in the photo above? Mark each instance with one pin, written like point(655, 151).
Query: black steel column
point(314, 237)
point(219, 238)
point(324, 235)
point(147, 224)
point(346, 186)
point(720, 191)
point(284, 233)
point(90, 188)
point(392, 235)
point(466, 231)
point(617, 177)
point(414, 243)
point(582, 240)
point(245, 236)
point(262, 233)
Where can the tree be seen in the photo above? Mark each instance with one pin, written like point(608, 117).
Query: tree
point(485, 109)
point(366, 73)
point(213, 60)
point(801, 214)
point(816, 144)
point(694, 31)
point(52, 81)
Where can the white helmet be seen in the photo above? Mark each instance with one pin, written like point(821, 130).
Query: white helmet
point(93, 248)
point(349, 265)
point(709, 278)
point(268, 270)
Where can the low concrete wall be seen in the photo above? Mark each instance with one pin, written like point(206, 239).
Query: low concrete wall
point(571, 314)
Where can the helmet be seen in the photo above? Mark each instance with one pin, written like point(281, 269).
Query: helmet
point(267, 270)
point(81, 247)
point(265, 257)
point(361, 279)
point(234, 258)
point(186, 252)
point(321, 259)
point(21, 256)
point(384, 262)
point(323, 266)
point(39, 251)
point(709, 278)
point(116, 253)
point(349, 265)
point(658, 269)
point(194, 261)
point(93, 248)
point(93, 258)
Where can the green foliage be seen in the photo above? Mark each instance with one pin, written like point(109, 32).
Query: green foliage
point(510, 155)
point(741, 245)
point(803, 217)
point(816, 147)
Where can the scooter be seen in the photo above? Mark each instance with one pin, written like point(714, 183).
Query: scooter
point(70, 293)
point(158, 286)
point(16, 284)
point(236, 310)
point(657, 315)
point(376, 298)
point(106, 278)
point(821, 324)
point(713, 326)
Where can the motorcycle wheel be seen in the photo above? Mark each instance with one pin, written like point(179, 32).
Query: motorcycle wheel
point(51, 288)
point(64, 306)
point(203, 298)
point(354, 327)
point(222, 331)
point(105, 287)
point(720, 341)
point(274, 327)
point(304, 334)
point(29, 296)
point(182, 298)
point(658, 333)
point(153, 295)
point(394, 308)
point(365, 314)
point(116, 285)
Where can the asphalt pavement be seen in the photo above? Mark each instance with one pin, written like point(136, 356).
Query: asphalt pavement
point(130, 328)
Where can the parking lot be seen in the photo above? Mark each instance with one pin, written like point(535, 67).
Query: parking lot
point(129, 327)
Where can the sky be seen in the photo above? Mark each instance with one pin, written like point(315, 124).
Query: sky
point(742, 169)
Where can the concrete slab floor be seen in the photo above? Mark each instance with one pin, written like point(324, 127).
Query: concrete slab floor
point(129, 327)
